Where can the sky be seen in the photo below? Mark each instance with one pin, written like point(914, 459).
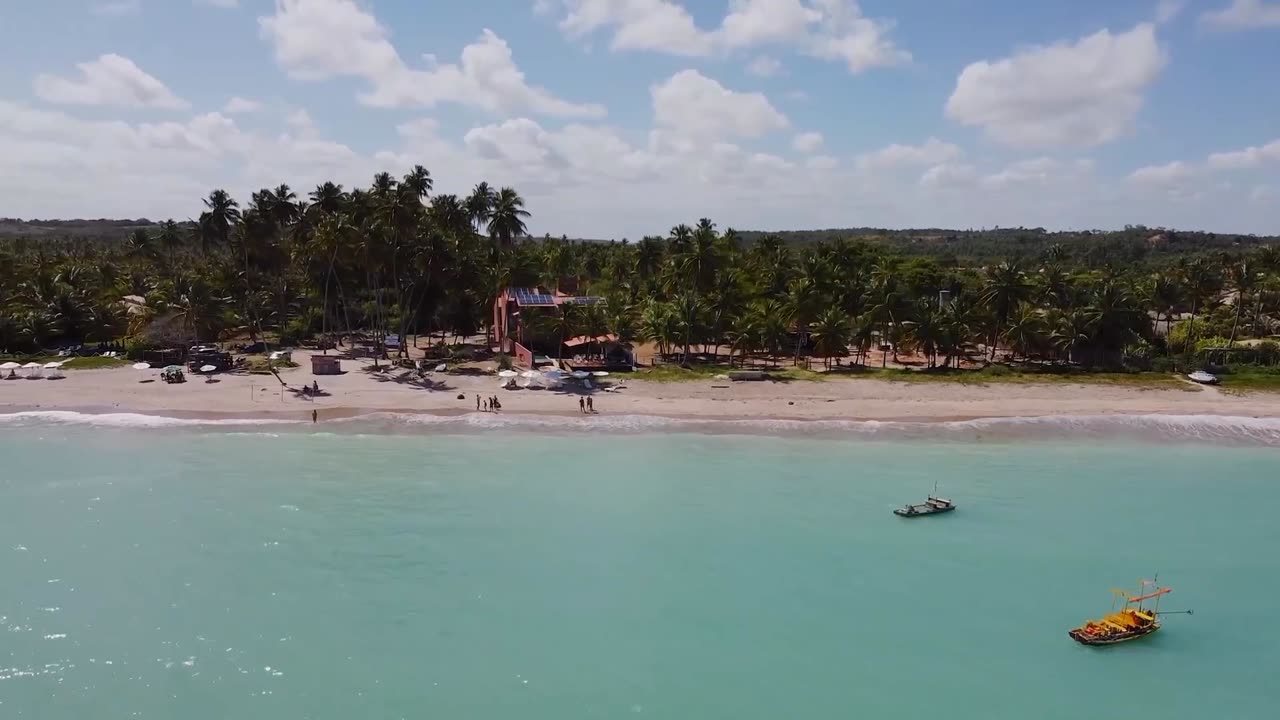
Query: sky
point(621, 118)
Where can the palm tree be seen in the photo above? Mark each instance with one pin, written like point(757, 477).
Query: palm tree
point(689, 309)
point(221, 214)
point(1242, 278)
point(1025, 332)
point(1165, 294)
point(831, 335)
point(506, 223)
point(480, 203)
point(418, 182)
point(1202, 284)
point(1005, 288)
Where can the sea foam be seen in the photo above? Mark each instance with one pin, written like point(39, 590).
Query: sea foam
point(1216, 429)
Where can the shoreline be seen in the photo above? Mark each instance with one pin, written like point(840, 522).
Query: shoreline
point(367, 398)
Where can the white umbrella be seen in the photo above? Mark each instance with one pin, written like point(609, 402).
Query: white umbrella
point(507, 373)
point(10, 366)
point(33, 369)
point(208, 368)
point(531, 374)
point(601, 373)
point(581, 374)
point(52, 365)
point(441, 367)
point(142, 366)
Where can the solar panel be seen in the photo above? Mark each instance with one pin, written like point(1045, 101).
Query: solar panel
point(581, 300)
point(530, 298)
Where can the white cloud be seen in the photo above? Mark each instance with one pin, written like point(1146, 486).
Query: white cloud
point(322, 39)
point(109, 80)
point(862, 43)
point(834, 30)
point(1249, 157)
point(821, 162)
point(1083, 93)
point(1039, 172)
point(116, 7)
point(1163, 175)
point(1265, 193)
point(238, 105)
point(765, 66)
point(808, 142)
point(756, 22)
point(224, 4)
point(695, 106)
point(1168, 10)
point(639, 25)
point(949, 176)
point(1244, 15)
point(931, 152)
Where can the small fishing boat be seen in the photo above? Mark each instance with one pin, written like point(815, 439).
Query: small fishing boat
point(932, 506)
point(1132, 621)
point(1202, 377)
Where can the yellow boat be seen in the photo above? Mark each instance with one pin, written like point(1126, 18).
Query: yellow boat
point(1132, 621)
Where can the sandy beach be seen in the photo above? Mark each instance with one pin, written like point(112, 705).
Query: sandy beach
point(359, 391)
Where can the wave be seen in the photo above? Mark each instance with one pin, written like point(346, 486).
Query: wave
point(1217, 429)
point(44, 418)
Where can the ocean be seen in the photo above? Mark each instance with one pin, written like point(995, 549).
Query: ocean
point(490, 568)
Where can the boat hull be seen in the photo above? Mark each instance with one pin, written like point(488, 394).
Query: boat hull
point(1098, 641)
point(922, 510)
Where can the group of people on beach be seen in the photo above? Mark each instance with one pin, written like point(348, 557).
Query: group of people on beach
point(586, 406)
point(490, 404)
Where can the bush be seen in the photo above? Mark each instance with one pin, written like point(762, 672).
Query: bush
point(135, 348)
point(504, 361)
point(1268, 352)
point(998, 370)
point(1164, 364)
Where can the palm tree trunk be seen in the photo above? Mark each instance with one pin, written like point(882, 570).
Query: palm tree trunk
point(1236, 322)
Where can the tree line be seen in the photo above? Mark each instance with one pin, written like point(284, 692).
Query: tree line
point(396, 259)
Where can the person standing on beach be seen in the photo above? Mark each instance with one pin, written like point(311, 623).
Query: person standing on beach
point(590, 406)
point(582, 405)
point(477, 402)
point(314, 416)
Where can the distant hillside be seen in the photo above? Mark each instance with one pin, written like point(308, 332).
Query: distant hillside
point(1135, 244)
point(88, 229)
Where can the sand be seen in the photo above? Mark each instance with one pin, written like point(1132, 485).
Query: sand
point(360, 391)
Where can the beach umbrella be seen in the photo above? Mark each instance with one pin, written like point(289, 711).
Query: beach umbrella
point(441, 367)
point(10, 366)
point(601, 373)
point(507, 373)
point(581, 374)
point(141, 366)
point(531, 374)
point(208, 368)
point(33, 369)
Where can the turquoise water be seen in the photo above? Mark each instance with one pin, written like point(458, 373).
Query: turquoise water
point(274, 573)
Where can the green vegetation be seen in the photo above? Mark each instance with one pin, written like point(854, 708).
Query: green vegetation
point(93, 363)
point(393, 259)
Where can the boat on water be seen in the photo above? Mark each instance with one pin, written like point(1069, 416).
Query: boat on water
point(1202, 377)
point(1133, 620)
point(932, 506)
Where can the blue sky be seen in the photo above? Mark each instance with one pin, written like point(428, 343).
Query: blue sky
point(618, 118)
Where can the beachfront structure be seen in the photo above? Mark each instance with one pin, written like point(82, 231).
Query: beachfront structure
point(325, 365)
point(513, 310)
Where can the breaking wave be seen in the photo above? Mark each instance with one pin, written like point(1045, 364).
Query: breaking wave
point(1150, 428)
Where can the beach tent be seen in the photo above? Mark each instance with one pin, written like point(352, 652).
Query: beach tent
point(53, 370)
point(34, 369)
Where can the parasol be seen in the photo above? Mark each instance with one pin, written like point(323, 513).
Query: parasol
point(208, 368)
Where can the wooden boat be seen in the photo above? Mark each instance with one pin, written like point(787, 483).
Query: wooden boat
point(932, 506)
point(1202, 377)
point(1132, 621)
